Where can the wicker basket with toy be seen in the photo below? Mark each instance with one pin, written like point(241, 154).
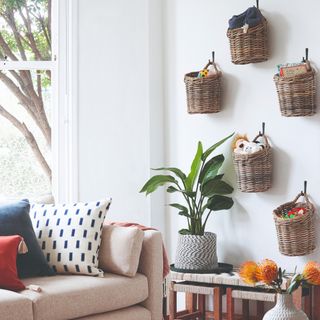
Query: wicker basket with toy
point(248, 37)
point(204, 89)
point(253, 162)
point(296, 87)
point(295, 226)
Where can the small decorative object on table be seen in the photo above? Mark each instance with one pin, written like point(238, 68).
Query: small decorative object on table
point(253, 162)
point(269, 275)
point(204, 89)
point(204, 192)
point(296, 87)
point(248, 37)
point(295, 226)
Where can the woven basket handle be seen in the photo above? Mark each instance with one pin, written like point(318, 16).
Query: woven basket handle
point(262, 135)
point(302, 194)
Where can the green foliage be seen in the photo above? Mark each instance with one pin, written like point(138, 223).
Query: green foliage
point(203, 189)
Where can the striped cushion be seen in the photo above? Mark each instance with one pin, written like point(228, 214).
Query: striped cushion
point(70, 235)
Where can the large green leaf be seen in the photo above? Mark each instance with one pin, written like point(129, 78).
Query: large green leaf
point(215, 186)
point(195, 167)
point(207, 153)
point(211, 168)
point(218, 202)
point(176, 171)
point(172, 189)
point(184, 214)
point(179, 206)
point(184, 232)
point(156, 181)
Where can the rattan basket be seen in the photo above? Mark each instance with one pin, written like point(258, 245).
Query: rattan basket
point(254, 171)
point(250, 47)
point(296, 236)
point(204, 94)
point(297, 95)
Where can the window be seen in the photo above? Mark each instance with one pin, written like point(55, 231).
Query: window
point(37, 99)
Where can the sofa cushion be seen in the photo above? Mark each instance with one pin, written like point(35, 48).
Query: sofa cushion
point(14, 306)
point(70, 235)
point(74, 296)
point(8, 263)
point(120, 250)
point(15, 220)
point(131, 313)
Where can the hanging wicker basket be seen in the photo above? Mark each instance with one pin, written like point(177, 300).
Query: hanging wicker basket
point(254, 171)
point(249, 47)
point(204, 94)
point(297, 95)
point(296, 236)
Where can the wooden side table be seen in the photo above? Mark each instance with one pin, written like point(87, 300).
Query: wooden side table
point(197, 286)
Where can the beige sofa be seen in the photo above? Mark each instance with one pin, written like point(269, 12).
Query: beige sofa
point(113, 297)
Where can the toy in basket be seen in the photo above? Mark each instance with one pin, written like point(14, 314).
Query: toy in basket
point(248, 37)
point(296, 88)
point(295, 226)
point(253, 162)
point(204, 89)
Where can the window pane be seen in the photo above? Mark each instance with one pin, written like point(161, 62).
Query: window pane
point(25, 133)
point(25, 30)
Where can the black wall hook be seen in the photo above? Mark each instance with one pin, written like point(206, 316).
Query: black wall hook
point(213, 54)
point(307, 54)
point(257, 4)
point(263, 129)
point(305, 187)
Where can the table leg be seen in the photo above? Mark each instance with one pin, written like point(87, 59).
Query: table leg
point(172, 305)
point(202, 305)
point(245, 309)
point(191, 302)
point(217, 303)
point(316, 303)
point(230, 304)
point(260, 309)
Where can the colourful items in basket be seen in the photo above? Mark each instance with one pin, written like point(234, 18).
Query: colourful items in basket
point(293, 69)
point(248, 19)
point(212, 70)
point(293, 212)
point(242, 145)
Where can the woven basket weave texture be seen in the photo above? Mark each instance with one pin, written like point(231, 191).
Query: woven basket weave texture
point(250, 47)
point(254, 171)
point(297, 95)
point(296, 236)
point(203, 94)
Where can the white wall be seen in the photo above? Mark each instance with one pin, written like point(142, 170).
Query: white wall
point(119, 104)
point(193, 30)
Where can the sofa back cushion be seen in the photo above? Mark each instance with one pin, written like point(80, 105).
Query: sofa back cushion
point(70, 235)
point(15, 220)
point(120, 250)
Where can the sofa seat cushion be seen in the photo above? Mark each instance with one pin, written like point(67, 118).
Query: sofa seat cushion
point(131, 313)
point(75, 296)
point(14, 306)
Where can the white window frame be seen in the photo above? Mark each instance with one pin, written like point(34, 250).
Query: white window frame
point(64, 66)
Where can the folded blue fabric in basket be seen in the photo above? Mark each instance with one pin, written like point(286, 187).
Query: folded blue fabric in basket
point(252, 17)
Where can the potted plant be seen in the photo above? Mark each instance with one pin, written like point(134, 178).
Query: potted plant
point(203, 192)
point(267, 274)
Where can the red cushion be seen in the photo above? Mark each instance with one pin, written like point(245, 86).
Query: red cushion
point(8, 263)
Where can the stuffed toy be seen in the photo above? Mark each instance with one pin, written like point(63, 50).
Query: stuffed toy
point(203, 73)
point(242, 145)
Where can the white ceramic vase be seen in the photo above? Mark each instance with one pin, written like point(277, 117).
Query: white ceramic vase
point(285, 310)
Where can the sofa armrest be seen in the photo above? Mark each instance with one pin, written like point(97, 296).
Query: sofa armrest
point(151, 265)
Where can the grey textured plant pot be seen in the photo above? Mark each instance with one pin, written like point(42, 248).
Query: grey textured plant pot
point(197, 252)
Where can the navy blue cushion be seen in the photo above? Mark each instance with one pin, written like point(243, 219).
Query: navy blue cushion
point(15, 220)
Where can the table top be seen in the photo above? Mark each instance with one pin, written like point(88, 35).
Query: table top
point(228, 279)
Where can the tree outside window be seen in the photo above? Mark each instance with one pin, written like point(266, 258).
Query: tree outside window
point(25, 108)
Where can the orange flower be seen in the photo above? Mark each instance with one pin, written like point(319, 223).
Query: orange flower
point(267, 271)
point(311, 273)
point(248, 272)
